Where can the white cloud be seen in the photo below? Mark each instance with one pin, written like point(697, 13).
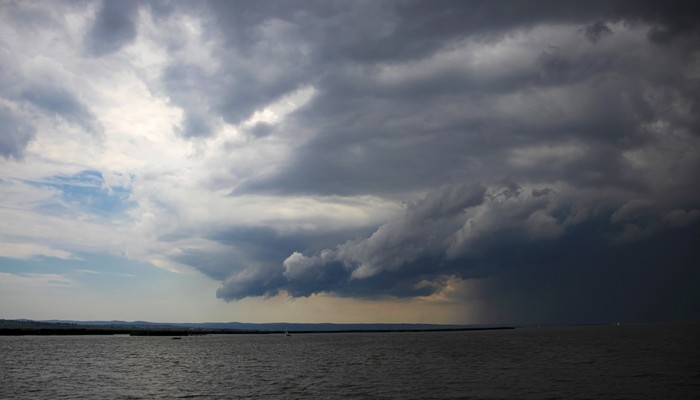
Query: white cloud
point(279, 109)
point(29, 280)
point(28, 250)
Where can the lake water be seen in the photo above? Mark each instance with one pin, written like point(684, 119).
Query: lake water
point(625, 362)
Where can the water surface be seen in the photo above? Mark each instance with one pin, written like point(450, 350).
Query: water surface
point(626, 362)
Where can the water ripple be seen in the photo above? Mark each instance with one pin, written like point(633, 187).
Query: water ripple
point(630, 362)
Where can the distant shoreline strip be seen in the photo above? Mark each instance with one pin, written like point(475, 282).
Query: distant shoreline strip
point(179, 332)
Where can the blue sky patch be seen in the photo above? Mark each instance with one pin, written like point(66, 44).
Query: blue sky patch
point(85, 192)
point(86, 267)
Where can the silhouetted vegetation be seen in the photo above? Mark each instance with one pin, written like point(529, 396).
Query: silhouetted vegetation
point(28, 327)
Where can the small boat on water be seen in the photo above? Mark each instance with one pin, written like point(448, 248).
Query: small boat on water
point(286, 333)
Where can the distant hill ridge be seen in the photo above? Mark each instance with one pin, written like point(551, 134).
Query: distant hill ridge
point(221, 327)
point(272, 326)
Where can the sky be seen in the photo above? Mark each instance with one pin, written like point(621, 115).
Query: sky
point(470, 162)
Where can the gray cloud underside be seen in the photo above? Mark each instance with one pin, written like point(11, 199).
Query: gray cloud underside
point(611, 120)
point(537, 254)
point(448, 120)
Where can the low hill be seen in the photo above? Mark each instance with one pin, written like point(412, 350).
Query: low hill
point(67, 327)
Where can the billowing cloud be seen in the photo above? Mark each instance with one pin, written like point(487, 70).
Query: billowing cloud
point(535, 254)
point(528, 158)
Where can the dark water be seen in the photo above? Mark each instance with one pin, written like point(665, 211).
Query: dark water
point(626, 362)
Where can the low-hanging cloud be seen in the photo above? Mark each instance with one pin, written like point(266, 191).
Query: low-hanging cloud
point(517, 245)
point(420, 232)
point(533, 253)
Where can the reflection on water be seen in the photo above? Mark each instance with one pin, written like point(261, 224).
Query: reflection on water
point(640, 362)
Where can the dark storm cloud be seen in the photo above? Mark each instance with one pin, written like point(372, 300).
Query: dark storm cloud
point(597, 31)
point(416, 241)
point(539, 257)
point(590, 110)
point(112, 28)
point(248, 260)
point(271, 48)
point(412, 240)
point(578, 280)
point(445, 120)
point(243, 246)
point(430, 240)
point(260, 58)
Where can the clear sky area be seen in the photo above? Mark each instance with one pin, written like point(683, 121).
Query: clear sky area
point(471, 162)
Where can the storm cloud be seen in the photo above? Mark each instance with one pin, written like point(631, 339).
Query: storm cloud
point(586, 108)
point(538, 159)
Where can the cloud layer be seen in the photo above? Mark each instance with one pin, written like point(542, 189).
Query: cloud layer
point(535, 159)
